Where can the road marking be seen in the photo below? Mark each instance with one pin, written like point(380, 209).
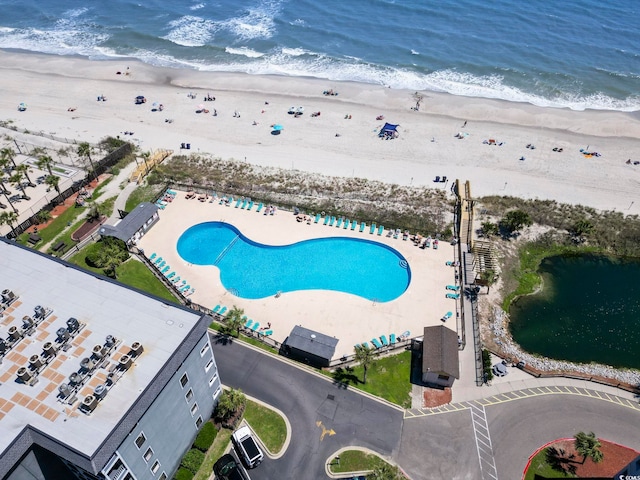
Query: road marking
point(520, 394)
point(483, 442)
point(325, 430)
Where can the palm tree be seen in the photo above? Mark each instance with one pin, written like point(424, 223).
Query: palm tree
point(5, 192)
point(145, 156)
point(53, 181)
point(9, 155)
point(17, 179)
point(9, 218)
point(231, 402)
point(85, 150)
point(45, 161)
point(233, 320)
point(364, 356)
point(23, 168)
point(588, 445)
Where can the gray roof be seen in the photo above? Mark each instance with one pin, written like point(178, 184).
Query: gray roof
point(440, 351)
point(315, 343)
point(129, 225)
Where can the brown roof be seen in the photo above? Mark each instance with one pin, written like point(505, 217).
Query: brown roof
point(440, 351)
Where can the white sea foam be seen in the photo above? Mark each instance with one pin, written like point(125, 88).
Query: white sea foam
point(59, 41)
point(197, 6)
point(295, 52)
point(191, 31)
point(414, 52)
point(255, 23)
point(245, 51)
point(298, 22)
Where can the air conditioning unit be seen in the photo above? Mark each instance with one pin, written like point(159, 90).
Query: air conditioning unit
point(40, 311)
point(87, 364)
point(24, 374)
point(110, 341)
point(64, 390)
point(14, 333)
point(3, 345)
point(136, 349)
point(35, 361)
point(100, 391)
point(49, 349)
point(125, 362)
point(90, 402)
point(74, 378)
point(27, 322)
point(8, 296)
point(63, 334)
point(73, 324)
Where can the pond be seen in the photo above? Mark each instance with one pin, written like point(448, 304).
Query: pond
point(588, 311)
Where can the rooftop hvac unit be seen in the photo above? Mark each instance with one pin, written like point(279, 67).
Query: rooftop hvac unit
point(90, 402)
point(14, 333)
point(73, 324)
point(39, 311)
point(136, 349)
point(24, 375)
point(64, 390)
point(7, 296)
point(49, 349)
point(3, 345)
point(74, 378)
point(27, 322)
point(63, 334)
point(100, 391)
point(87, 364)
point(125, 362)
point(110, 341)
point(98, 351)
point(35, 361)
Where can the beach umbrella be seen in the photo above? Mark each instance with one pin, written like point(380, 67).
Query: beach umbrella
point(22, 107)
point(154, 104)
point(277, 127)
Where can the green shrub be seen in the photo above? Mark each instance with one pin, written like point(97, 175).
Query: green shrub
point(93, 255)
point(192, 460)
point(205, 437)
point(486, 365)
point(183, 474)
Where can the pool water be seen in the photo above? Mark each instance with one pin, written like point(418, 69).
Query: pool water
point(252, 270)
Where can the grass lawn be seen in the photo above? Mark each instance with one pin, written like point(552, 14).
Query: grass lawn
point(355, 461)
point(56, 227)
point(250, 340)
point(144, 193)
point(218, 448)
point(267, 424)
point(539, 466)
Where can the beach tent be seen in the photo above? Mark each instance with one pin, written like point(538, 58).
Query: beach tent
point(389, 131)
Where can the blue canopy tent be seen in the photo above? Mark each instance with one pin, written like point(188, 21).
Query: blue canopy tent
point(388, 131)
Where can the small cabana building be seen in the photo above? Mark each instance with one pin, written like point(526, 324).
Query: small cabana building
point(135, 225)
point(440, 356)
point(310, 347)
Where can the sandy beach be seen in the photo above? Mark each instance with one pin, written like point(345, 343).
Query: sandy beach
point(343, 139)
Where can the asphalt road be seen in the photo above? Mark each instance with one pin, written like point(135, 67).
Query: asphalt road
point(307, 399)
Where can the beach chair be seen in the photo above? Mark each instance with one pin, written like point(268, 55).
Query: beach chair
point(244, 204)
point(446, 316)
point(248, 324)
point(157, 261)
point(365, 345)
point(255, 326)
point(372, 228)
point(326, 220)
point(317, 219)
point(383, 339)
point(380, 230)
point(238, 202)
point(222, 311)
point(268, 332)
point(346, 223)
point(161, 264)
point(175, 280)
point(250, 206)
point(455, 288)
point(376, 343)
point(153, 255)
point(171, 275)
point(215, 309)
point(454, 296)
point(392, 338)
point(363, 225)
point(354, 224)
point(260, 205)
point(332, 221)
point(185, 288)
point(166, 269)
point(339, 222)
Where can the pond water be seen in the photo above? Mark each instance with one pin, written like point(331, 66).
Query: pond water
point(587, 311)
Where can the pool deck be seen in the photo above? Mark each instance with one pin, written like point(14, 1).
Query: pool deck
point(347, 317)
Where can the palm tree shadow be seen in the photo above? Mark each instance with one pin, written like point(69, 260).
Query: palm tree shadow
point(559, 461)
point(343, 377)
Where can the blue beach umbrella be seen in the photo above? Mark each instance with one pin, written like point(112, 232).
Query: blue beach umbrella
point(277, 127)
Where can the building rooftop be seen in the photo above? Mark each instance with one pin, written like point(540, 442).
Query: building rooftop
point(440, 351)
point(118, 344)
point(129, 225)
point(315, 343)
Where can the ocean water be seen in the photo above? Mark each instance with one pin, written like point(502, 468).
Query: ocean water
point(580, 54)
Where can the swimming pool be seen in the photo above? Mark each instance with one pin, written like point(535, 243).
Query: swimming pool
point(252, 270)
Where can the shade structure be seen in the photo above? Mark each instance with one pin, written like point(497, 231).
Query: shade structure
point(277, 127)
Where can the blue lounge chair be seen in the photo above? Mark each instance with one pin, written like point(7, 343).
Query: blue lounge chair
point(346, 223)
point(446, 316)
point(260, 205)
point(449, 264)
point(317, 219)
point(380, 230)
point(185, 288)
point(392, 338)
point(171, 275)
point(157, 261)
point(222, 311)
point(372, 228)
point(175, 280)
point(332, 221)
point(363, 225)
point(215, 309)
point(354, 224)
point(267, 333)
point(339, 222)
point(161, 264)
point(166, 269)
point(376, 343)
point(255, 326)
point(455, 288)
point(326, 220)
point(455, 296)
point(238, 202)
point(171, 192)
point(250, 206)
point(153, 255)
point(365, 345)
point(248, 324)
point(383, 339)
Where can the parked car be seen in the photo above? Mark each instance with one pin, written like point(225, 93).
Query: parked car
point(227, 468)
point(247, 447)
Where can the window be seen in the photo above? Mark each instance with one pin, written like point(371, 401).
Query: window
point(155, 467)
point(163, 476)
point(216, 393)
point(194, 409)
point(443, 377)
point(140, 440)
point(198, 422)
point(189, 395)
point(209, 364)
point(148, 454)
point(204, 349)
point(213, 379)
point(184, 379)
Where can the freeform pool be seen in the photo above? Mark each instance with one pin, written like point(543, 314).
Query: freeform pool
point(252, 270)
